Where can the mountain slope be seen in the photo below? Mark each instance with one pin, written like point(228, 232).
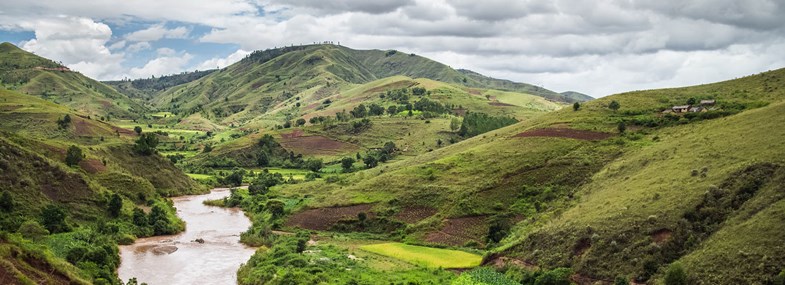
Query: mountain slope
point(30, 74)
point(671, 188)
point(148, 88)
point(577, 96)
point(35, 179)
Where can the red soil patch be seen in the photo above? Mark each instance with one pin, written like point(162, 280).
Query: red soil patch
point(459, 231)
point(294, 134)
point(499, 261)
point(565, 133)
point(314, 145)
point(92, 165)
point(474, 91)
point(500, 104)
point(415, 214)
point(661, 236)
point(83, 128)
point(323, 219)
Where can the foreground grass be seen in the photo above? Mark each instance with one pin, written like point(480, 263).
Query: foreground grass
point(426, 256)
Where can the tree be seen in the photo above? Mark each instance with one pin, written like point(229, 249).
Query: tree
point(53, 219)
point(558, 276)
point(314, 164)
point(622, 127)
point(362, 216)
point(140, 218)
point(375, 110)
point(392, 110)
point(779, 279)
point(235, 178)
point(32, 230)
point(207, 148)
point(73, 155)
point(299, 122)
point(359, 111)
point(146, 144)
point(370, 161)
point(6, 202)
point(115, 205)
point(64, 122)
point(138, 130)
point(576, 106)
point(261, 159)
point(275, 207)
point(675, 275)
point(455, 124)
point(692, 101)
point(614, 105)
point(346, 164)
point(439, 142)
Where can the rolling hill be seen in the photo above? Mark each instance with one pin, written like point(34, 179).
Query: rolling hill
point(39, 184)
point(567, 189)
point(30, 74)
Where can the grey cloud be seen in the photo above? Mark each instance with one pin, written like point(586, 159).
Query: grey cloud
point(498, 10)
point(341, 6)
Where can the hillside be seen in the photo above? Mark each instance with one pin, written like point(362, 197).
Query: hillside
point(148, 88)
point(30, 74)
point(53, 211)
point(565, 189)
point(577, 96)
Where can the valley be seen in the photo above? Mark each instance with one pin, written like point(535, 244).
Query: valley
point(384, 167)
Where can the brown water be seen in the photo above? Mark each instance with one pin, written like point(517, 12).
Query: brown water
point(178, 259)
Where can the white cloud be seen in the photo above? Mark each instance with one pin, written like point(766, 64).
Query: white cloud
point(78, 42)
point(598, 47)
point(165, 52)
point(163, 65)
point(137, 47)
point(223, 62)
point(157, 32)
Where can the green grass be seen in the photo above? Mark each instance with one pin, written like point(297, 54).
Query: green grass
point(426, 256)
point(200, 176)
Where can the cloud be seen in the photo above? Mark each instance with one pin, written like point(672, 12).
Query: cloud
point(162, 65)
point(157, 32)
point(599, 47)
point(219, 62)
point(137, 47)
point(342, 6)
point(78, 42)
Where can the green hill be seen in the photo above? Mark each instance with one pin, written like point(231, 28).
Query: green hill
point(577, 96)
point(30, 74)
point(147, 88)
point(57, 205)
point(565, 189)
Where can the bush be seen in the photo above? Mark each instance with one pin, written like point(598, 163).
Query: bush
point(73, 155)
point(558, 276)
point(6, 202)
point(115, 205)
point(64, 122)
point(32, 230)
point(146, 144)
point(346, 164)
point(614, 105)
point(53, 219)
point(675, 275)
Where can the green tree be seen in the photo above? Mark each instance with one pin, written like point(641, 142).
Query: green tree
point(299, 122)
point(31, 229)
point(370, 161)
point(621, 127)
point(621, 280)
point(207, 148)
point(276, 208)
point(64, 122)
point(692, 101)
point(314, 164)
point(392, 110)
point(614, 105)
point(146, 144)
point(6, 202)
point(53, 219)
point(138, 130)
point(558, 276)
point(115, 205)
point(262, 160)
point(346, 164)
point(235, 178)
point(73, 155)
point(455, 124)
point(359, 111)
point(675, 275)
point(779, 279)
point(576, 106)
point(140, 218)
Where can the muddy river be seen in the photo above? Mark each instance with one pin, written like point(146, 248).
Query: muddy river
point(179, 259)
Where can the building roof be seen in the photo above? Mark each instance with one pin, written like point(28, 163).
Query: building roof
point(708, 101)
point(681, 107)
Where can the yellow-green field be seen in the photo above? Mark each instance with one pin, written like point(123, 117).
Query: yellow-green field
point(426, 256)
point(199, 176)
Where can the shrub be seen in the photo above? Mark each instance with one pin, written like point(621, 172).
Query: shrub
point(675, 275)
point(346, 164)
point(614, 105)
point(53, 219)
point(115, 205)
point(32, 230)
point(138, 130)
point(146, 144)
point(6, 202)
point(576, 106)
point(73, 155)
point(64, 122)
point(558, 276)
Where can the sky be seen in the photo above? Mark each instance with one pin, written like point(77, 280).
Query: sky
point(596, 47)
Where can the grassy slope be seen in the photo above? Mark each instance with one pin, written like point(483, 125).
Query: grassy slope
point(628, 187)
point(20, 70)
point(32, 151)
point(150, 87)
